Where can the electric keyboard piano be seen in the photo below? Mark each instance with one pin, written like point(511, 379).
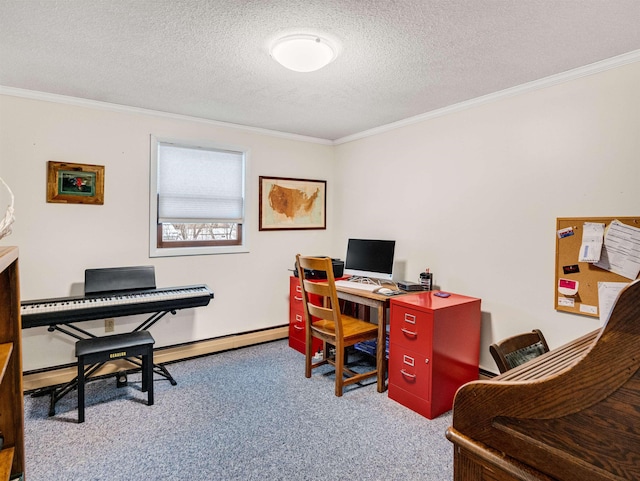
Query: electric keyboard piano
point(571, 414)
point(45, 312)
point(114, 292)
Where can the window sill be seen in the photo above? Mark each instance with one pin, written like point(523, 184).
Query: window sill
point(197, 251)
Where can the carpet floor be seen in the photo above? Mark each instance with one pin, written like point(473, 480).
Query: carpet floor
point(247, 414)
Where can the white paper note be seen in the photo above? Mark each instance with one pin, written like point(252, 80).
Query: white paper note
point(592, 239)
point(607, 295)
point(621, 251)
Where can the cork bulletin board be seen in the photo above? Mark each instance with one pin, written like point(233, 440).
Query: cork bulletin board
point(569, 239)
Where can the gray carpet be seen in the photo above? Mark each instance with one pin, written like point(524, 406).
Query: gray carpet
point(248, 414)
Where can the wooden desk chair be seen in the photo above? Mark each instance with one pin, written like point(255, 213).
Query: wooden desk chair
point(518, 349)
point(320, 301)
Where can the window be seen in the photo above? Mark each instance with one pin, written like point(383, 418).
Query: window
point(197, 199)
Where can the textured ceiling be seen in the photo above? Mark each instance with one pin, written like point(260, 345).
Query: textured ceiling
point(209, 58)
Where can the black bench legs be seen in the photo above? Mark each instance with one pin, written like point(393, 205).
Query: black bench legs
point(97, 350)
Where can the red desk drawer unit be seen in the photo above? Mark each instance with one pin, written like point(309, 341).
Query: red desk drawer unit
point(296, 319)
point(434, 348)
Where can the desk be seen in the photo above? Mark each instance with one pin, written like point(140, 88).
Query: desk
point(381, 303)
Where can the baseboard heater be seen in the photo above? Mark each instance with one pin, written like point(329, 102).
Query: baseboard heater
point(55, 375)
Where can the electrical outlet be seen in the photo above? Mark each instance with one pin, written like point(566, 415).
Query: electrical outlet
point(109, 325)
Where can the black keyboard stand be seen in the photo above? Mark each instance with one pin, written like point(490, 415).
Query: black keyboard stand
point(78, 333)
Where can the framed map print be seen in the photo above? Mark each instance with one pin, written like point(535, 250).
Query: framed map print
point(287, 204)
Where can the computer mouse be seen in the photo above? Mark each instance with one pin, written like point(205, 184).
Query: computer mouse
point(384, 291)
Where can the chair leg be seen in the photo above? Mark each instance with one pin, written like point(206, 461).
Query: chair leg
point(339, 360)
point(308, 354)
point(80, 390)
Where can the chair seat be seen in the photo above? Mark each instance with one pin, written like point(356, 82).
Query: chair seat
point(352, 327)
point(96, 345)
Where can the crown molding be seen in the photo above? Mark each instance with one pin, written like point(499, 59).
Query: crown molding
point(550, 81)
point(591, 69)
point(96, 104)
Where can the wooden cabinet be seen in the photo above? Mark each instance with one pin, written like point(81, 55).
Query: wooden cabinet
point(11, 397)
point(434, 348)
point(296, 319)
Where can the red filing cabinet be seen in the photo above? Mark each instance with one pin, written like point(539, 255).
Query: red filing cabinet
point(434, 348)
point(296, 319)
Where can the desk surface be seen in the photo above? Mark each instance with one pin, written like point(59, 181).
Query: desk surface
point(373, 295)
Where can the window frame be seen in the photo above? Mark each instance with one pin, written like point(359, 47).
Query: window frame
point(187, 248)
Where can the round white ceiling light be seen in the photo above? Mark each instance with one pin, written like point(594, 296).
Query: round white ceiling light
point(303, 52)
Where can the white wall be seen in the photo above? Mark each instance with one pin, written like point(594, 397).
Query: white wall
point(58, 242)
point(474, 195)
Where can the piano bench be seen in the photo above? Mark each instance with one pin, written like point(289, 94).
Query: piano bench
point(98, 350)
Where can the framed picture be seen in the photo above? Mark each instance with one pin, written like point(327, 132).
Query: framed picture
point(75, 183)
point(288, 204)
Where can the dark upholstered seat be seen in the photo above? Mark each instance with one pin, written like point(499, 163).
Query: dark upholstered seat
point(98, 350)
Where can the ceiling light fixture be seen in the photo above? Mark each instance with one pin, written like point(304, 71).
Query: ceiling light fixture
point(303, 52)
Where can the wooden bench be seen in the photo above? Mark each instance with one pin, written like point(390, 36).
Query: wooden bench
point(98, 350)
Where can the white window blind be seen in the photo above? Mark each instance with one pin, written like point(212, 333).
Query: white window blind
point(199, 185)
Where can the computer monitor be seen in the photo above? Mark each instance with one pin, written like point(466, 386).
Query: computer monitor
point(370, 258)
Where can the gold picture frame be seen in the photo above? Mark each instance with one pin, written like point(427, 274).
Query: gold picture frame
point(75, 183)
point(292, 204)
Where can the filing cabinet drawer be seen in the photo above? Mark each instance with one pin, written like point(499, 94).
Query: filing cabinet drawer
point(297, 328)
point(410, 328)
point(297, 331)
point(295, 294)
point(410, 380)
point(410, 371)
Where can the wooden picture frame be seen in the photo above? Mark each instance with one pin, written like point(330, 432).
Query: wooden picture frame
point(292, 204)
point(75, 183)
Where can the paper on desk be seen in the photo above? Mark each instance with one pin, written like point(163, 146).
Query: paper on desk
point(607, 295)
point(592, 235)
point(621, 251)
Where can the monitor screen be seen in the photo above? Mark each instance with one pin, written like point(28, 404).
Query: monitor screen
point(370, 258)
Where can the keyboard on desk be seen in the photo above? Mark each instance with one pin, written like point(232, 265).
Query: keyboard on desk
point(363, 286)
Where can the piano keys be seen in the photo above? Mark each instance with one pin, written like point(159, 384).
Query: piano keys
point(114, 292)
point(572, 414)
point(44, 312)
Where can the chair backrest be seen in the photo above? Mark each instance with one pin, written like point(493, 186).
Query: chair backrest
point(518, 349)
point(319, 297)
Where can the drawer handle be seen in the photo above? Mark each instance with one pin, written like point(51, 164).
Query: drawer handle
point(298, 328)
point(408, 374)
point(409, 333)
point(296, 298)
point(410, 318)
